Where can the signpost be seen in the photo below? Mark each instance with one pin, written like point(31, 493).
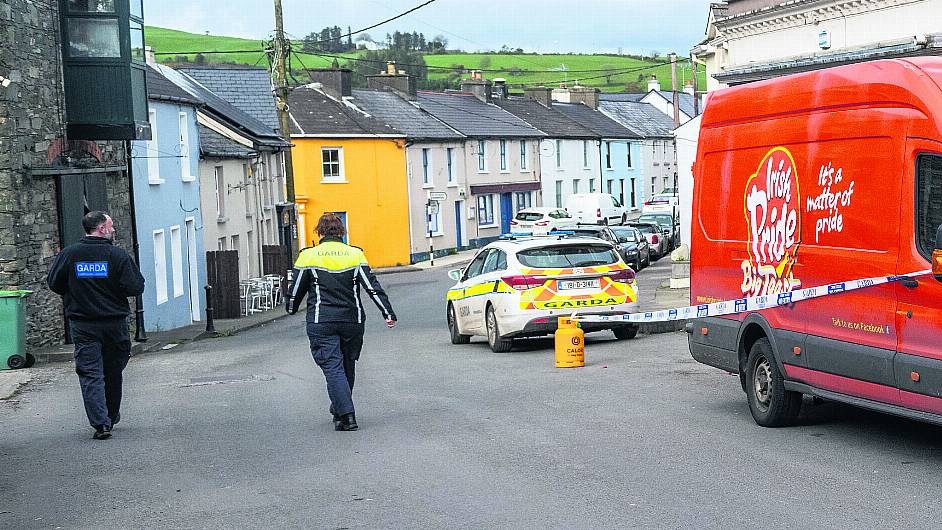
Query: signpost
point(432, 208)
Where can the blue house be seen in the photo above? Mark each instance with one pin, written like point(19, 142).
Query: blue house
point(621, 172)
point(167, 202)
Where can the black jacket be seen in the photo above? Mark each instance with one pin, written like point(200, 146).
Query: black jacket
point(95, 279)
point(331, 274)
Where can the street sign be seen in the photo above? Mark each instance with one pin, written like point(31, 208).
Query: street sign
point(437, 196)
point(433, 207)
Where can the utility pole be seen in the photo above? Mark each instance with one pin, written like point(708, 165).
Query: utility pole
point(696, 87)
point(676, 98)
point(281, 90)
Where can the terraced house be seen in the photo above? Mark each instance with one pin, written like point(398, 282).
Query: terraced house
point(502, 162)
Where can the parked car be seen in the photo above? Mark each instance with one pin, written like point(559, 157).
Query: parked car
point(539, 220)
point(655, 237)
point(669, 224)
point(604, 233)
point(595, 208)
point(519, 286)
point(634, 247)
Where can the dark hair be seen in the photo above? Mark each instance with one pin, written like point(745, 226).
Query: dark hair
point(330, 225)
point(93, 220)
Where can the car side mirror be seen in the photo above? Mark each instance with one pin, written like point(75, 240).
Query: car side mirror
point(937, 256)
point(455, 274)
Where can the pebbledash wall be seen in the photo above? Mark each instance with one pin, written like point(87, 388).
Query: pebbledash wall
point(35, 158)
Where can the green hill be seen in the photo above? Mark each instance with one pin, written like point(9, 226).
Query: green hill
point(520, 69)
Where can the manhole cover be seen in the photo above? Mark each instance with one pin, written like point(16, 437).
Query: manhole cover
point(224, 379)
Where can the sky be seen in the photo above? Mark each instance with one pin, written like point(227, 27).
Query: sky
point(579, 26)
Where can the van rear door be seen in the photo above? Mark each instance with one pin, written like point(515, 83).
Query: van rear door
point(918, 364)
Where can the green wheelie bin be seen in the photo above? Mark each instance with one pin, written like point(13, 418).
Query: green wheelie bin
point(13, 331)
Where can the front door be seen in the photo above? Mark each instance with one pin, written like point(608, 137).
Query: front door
point(78, 195)
point(192, 262)
point(918, 320)
point(506, 212)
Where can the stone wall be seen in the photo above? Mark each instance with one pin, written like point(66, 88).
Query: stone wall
point(32, 121)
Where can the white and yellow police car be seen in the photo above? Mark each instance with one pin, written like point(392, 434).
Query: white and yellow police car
point(518, 286)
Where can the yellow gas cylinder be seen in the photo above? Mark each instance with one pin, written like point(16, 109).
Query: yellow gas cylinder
point(570, 344)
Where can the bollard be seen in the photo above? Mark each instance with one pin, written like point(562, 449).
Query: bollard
point(210, 325)
point(570, 344)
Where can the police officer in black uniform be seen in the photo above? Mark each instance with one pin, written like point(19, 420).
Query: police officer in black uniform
point(95, 279)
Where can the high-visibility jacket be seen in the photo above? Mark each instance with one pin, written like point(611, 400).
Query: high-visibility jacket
point(330, 274)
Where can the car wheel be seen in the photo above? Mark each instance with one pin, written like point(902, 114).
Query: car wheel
point(638, 263)
point(625, 332)
point(771, 405)
point(498, 344)
point(456, 338)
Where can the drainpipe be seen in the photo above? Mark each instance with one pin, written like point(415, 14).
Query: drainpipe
point(139, 334)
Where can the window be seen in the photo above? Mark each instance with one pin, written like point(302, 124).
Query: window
point(482, 156)
point(235, 244)
point(151, 152)
point(653, 182)
point(137, 42)
point(611, 185)
point(621, 193)
point(186, 173)
point(92, 6)
point(524, 200)
point(496, 261)
point(524, 163)
point(665, 183)
point(176, 260)
point(221, 244)
point(250, 263)
point(559, 153)
point(93, 37)
point(485, 210)
point(575, 185)
point(160, 266)
point(629, 155)
point(608, 155)
point(567, 256)
point(450, 155)
point(591, 185)
point(585, 153)
point(559, 194)
point(332, 164)
point(477, 264)
point(928, 202)
point(503, 155)
point(249, 203)
point(220, 193)
point(426, 170)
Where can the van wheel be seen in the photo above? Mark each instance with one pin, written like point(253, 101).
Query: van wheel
point(625, 332)
point(456, 338)
point(771, 405)
point(498, 344)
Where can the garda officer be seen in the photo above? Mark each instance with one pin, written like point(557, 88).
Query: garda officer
point(331, 275)
point(95, 279)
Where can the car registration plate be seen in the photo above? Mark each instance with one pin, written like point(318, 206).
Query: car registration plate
point(566, 285)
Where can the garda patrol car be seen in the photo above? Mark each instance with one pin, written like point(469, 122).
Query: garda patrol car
point(518, 286)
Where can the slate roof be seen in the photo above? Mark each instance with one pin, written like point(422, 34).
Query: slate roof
point(314, 112)
point(621, 96)
point(248, 89)
point(225, 111)
point(162, 89)
point(215, 145)
point(686, 100)
point(473, 117)
point(550, 121)
point(403, 116)
point(595, 121)
point(641, 117)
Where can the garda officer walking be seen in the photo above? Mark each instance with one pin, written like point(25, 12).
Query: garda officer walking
point(331, 274)
point(95, 279)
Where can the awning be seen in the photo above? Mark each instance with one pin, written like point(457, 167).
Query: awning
point(482, 189)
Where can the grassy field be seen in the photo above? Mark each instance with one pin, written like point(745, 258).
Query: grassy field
point(522, 69)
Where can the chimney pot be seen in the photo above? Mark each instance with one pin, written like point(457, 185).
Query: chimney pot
point(653, 83)
point(391, 67)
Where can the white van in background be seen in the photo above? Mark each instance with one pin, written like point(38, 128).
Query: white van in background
point(595, 208)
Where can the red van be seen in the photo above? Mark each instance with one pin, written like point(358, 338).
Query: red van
point(809, 180)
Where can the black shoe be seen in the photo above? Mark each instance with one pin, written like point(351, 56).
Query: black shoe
point(102, 434)
point(348, 422)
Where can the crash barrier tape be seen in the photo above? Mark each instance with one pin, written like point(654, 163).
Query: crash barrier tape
point(745, 305)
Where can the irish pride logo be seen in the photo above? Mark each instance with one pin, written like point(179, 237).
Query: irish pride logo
point(773, 217)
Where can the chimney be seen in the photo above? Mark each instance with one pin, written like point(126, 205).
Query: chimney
point(477, 85)
point(688, 88)
point(588, 96)
point(653, 83)
point(396, 80)
point(560, 94)
point(336, 82)
point(149, 56)
point(540, 94)
point(499, 91)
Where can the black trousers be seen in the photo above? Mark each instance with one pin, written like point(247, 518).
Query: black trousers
point(102, 350)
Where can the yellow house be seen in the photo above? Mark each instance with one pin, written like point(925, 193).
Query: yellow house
point(347, 162)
